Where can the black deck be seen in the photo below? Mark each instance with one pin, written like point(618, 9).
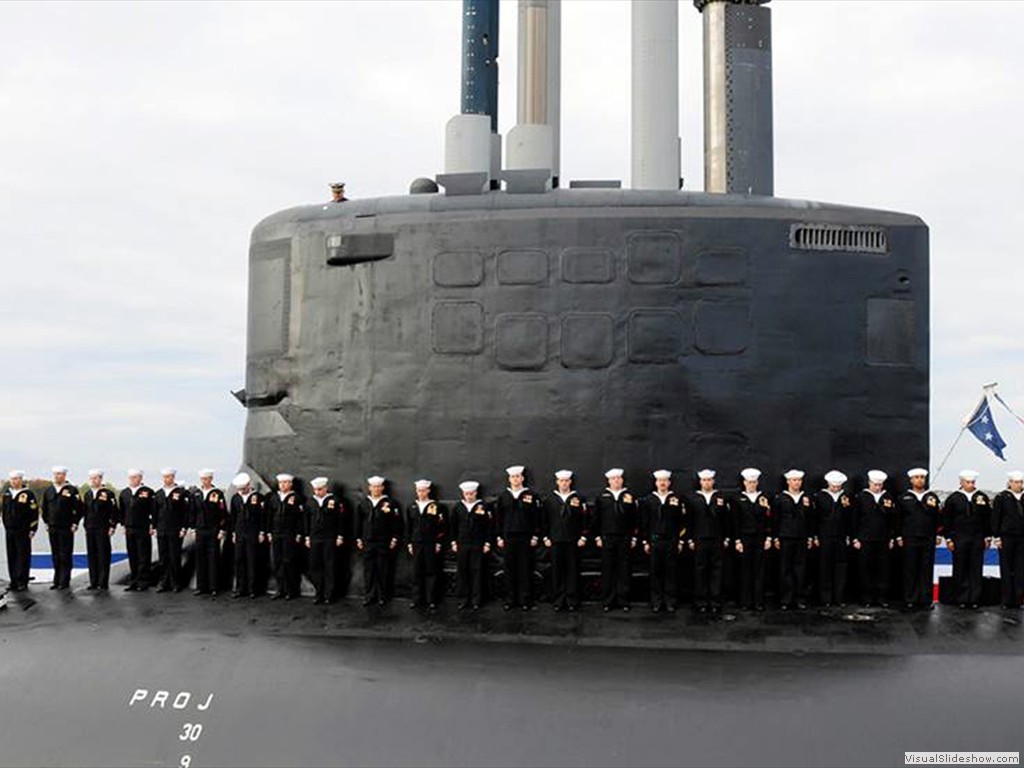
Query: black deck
point(297, 684)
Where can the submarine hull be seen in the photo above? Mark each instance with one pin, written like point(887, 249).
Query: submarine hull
point(448, 337)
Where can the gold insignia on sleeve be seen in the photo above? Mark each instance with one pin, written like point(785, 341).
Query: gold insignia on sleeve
point(385, 507)
point(527, 499)
point(22, 498)
point(844, 501)
point(763, 501)
point(673, 501)
point(330, 504)
point(720, 501)
point(806, 501)
point(887, 503)
point(65, 493)
point(431, 509)
point(982, 501)
point(627, 498)
point(574, 502)
point(291, 500)
point(931, 501)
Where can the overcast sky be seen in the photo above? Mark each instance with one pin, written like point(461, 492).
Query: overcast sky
point(140, 142)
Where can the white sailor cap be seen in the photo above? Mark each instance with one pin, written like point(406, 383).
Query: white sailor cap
point(615, 472)
point(95, 473)
point(59, 468)
point(968, 474)
point(661, 474)
point(469, 485)
point(134, 471)
point(168, 471)
point(917, 472)
point(375, 480)
point(563, 474)
point(750, 473)
point(877, 476)
point(318, 482)
point(16, 473)
point(284, 477)
point(515, 469)
point(706, 474)
point(835, 477)
point(794, 474)
point(241, 480)
point(422, 485)
point(1015, 475)
point(205, 473)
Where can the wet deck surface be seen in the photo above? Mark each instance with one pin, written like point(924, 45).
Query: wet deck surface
point(294, 683)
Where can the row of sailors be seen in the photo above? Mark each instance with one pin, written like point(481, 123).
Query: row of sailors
point(831, 524)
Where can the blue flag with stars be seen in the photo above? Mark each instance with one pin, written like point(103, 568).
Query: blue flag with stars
point(983, 427)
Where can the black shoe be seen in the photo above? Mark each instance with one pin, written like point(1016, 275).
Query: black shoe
point(237, 595)
point(759, 608)
point(573, 608)
point(962, 606)
point(463, 606)
point(625, 609)
point(319, 601)
point(525, 608)
point(557, 608)
point(253, 596)
point(199, 592)
point(432, 608)
point(974, 606)
point(655, 609)
point(909, 607)
point(476, 608)
point(276, 596)
point(287, 597)
point(415, 605)
point(213, 593)
point(785, 606)
point(671, 609)
point(367, 602)
point(104, 587)
point(606, 608)
point(801, 606)
point(178, 589)
point(162, 588)
point(54, 586)
point(507, 606)
point(91, 588)
point(382, 602)
point(884, 604)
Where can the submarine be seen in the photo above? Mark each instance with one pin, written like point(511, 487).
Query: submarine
point(496, 315)
point(499, 313)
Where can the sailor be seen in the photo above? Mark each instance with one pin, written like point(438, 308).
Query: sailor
point(209, 521)
point(248, 532)
point(564, 526)
point(615, 529)
point(426, 525)
point(135, 513)
point(472, 532)
point(663, 521)
point(710, 535)
point(917, 526)
point(285, 533)
point(171, 511)
point(61, 512)
point(100, 512)
point(338, 192)
point(20, 513)
point(323, 529)
point(966, 525)
point(378, 532)
point(792, 532)
point(517, 521)
point(751, 526)
point(874, 534)
point(1008, 529)
point(833, 508)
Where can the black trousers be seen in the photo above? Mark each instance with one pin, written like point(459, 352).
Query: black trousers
point(19, 557)
point(752, 567)
point(226, 564)
point(376, 560)
point(321, 567)
point(427, 564)
point(284, 553)
point(169, 550)
point(471, 571)
point(615, 570)
point(140, 555)
point(792, 570)
point(874, 571)
point(247, 564)
point(832, 568)
point(97, 545)
point(918, 571)
point(1011, 569)
point(708, 561)
point(62, 544)
point(518, 569)
point(664, 572)
point(968, 568)
point(565, 573)
point(207, 560)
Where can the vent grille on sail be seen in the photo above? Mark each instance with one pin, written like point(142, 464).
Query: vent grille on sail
point(838, 237)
